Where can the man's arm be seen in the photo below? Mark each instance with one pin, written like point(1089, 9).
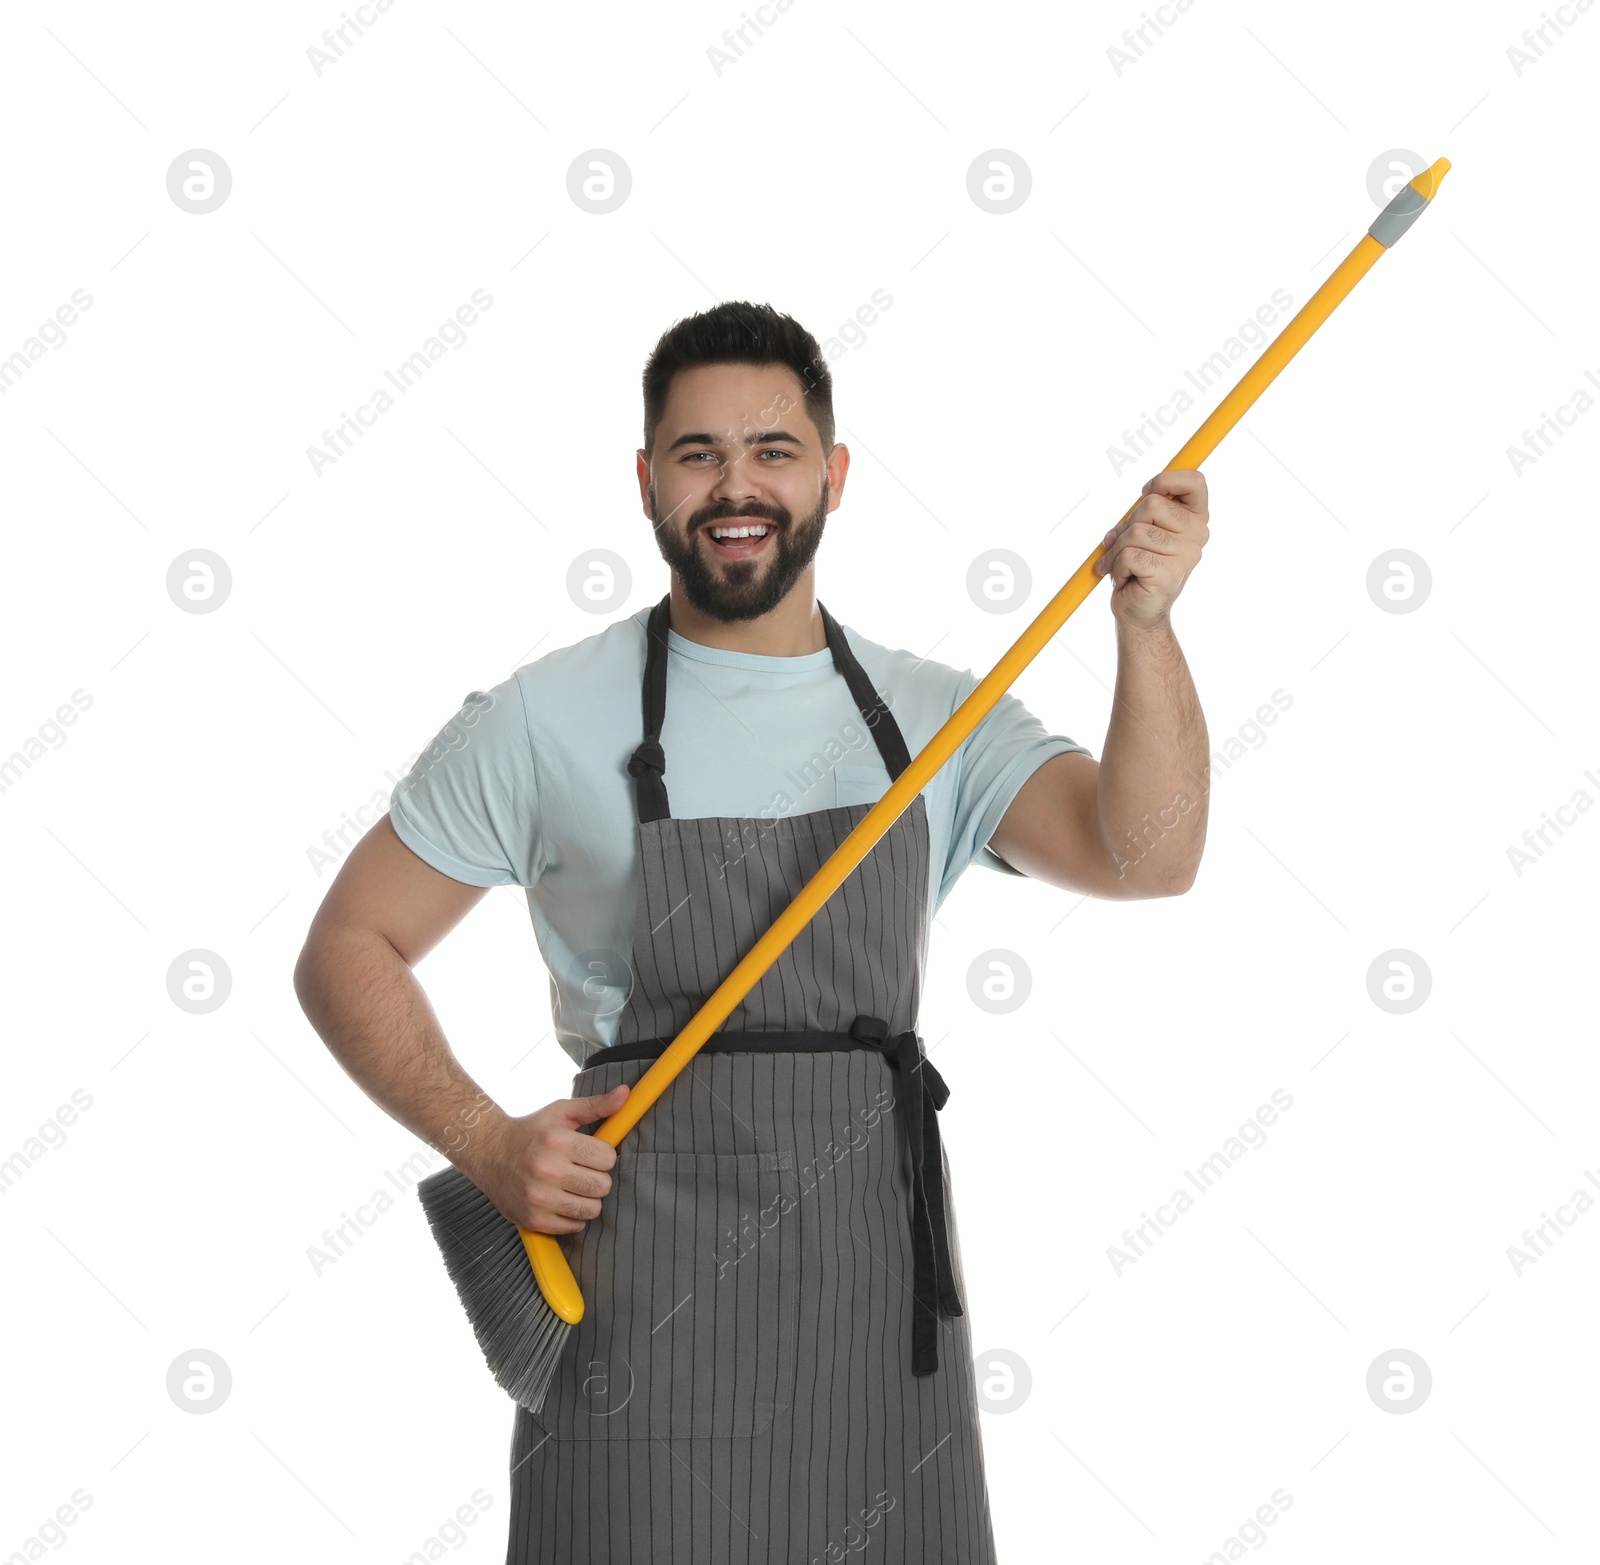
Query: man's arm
point(1134, 823)
point(385, 910)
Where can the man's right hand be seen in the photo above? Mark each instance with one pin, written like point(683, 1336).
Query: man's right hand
point(544, 1173)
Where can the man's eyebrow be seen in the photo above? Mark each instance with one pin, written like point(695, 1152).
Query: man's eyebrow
point(773, 437)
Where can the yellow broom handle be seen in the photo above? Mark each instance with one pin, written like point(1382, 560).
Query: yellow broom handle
point(548, 1261)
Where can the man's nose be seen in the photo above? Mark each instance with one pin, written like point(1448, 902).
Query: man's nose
point(736, 480)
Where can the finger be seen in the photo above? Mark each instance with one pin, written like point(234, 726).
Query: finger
point(550, 1224)
point(1155, 512)
point(1133, 561)
point(1184, 484)
point(1164, 512)
point(1152, 535)
point(578, 1208)
point(588, 1152)
point(1160, 533)
point(589, 1183)
point(581, 1111)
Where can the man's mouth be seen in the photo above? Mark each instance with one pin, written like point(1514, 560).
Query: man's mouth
point(739, 538)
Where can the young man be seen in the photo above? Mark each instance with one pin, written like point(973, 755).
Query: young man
point(775, 1364)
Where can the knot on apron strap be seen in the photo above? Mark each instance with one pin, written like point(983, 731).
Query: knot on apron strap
point(645, 766)
point(649, 755)
point(933, 1285)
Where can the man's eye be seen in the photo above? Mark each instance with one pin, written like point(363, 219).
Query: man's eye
point(769, 451)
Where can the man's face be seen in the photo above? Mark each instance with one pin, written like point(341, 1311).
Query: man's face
point(735, 447)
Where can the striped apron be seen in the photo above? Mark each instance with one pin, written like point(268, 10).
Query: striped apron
point(773, 1367)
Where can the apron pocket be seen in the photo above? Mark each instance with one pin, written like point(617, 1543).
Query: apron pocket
point(690, 1279)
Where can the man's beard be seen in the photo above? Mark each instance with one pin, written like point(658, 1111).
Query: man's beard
point(741, 589)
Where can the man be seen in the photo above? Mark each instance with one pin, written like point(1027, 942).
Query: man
point(776, 1364)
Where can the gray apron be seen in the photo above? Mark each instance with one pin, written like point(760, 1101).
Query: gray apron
point(773, 1367)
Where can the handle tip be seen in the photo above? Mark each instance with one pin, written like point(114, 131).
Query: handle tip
point(1427, 183)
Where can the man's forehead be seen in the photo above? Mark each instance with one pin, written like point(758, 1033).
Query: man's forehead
point(724, 394)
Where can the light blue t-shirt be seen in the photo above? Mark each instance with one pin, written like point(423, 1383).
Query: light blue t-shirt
point(528, 784)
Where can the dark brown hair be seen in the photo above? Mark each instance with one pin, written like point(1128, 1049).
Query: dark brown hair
point(738, 332)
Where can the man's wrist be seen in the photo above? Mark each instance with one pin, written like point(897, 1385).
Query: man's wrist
point(470, 1134)
point(1157, 635)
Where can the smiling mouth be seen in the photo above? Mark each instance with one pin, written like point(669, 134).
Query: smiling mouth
point(739, 548)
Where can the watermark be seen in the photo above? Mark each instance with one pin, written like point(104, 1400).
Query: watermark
point(452, 1532)
point(198, 1380)
point(1538, 440)
point(199, 981)
point(852, 331)
point(338, 441)
point(338, 1241)
point(452, 1138)
point(1138, 41)
point(337, 841)
point(999, 180)
point(1539, 1240)
point(1390, 172)
point(999, 981)
point(1252, 734)
point(1141, 840)
point(335, 40)
point(1151, 429)
point(199, 581)
point(1399, 581)
point(50, 735)
point(1004, 1380)
point(742, 1240)
point(599, 581)
point(598, 181)
point(999, 581)
point(455, 1135)
point(51, 334)
point(50, 1137)
point(1399, 1381)
point(744, 833)
point(199, 181)
point(855, 1538)
point(1399, 981)
point(735, 41)
point(454, 736)
point(51, 1532)
point(1535, 40)
point(1139, 1240)
point(600, 981)
point(1252, 1530)
point(1536, 839)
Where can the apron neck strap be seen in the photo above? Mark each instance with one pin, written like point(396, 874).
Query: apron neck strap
point(648, 762)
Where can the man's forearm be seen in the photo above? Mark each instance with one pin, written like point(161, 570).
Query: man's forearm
point(369, 1009)
point(1152, 788)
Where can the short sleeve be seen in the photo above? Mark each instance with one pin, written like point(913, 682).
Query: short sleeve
point(469, 806)
point(994, 761)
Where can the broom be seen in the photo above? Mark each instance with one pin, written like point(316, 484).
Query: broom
point(518, 1291)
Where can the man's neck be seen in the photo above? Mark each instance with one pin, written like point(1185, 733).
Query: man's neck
point(792, 629)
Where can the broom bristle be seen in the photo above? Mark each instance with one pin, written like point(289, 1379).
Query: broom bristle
point(521, 1336)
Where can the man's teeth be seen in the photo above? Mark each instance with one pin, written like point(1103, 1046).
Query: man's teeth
point(758, 531)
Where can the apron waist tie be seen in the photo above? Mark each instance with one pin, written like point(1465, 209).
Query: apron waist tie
point(933, 1283)
point(924, 1093)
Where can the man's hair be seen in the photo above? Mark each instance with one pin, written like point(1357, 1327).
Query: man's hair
point(739, 333)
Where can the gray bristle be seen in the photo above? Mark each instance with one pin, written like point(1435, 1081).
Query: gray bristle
point(520, 1335)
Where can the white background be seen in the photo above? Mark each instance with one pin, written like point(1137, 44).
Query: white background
point(1168, 201)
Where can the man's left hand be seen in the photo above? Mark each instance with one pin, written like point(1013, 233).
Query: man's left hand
point(1150, 555)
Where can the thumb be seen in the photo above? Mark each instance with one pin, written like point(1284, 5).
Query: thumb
point(582, 1110)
